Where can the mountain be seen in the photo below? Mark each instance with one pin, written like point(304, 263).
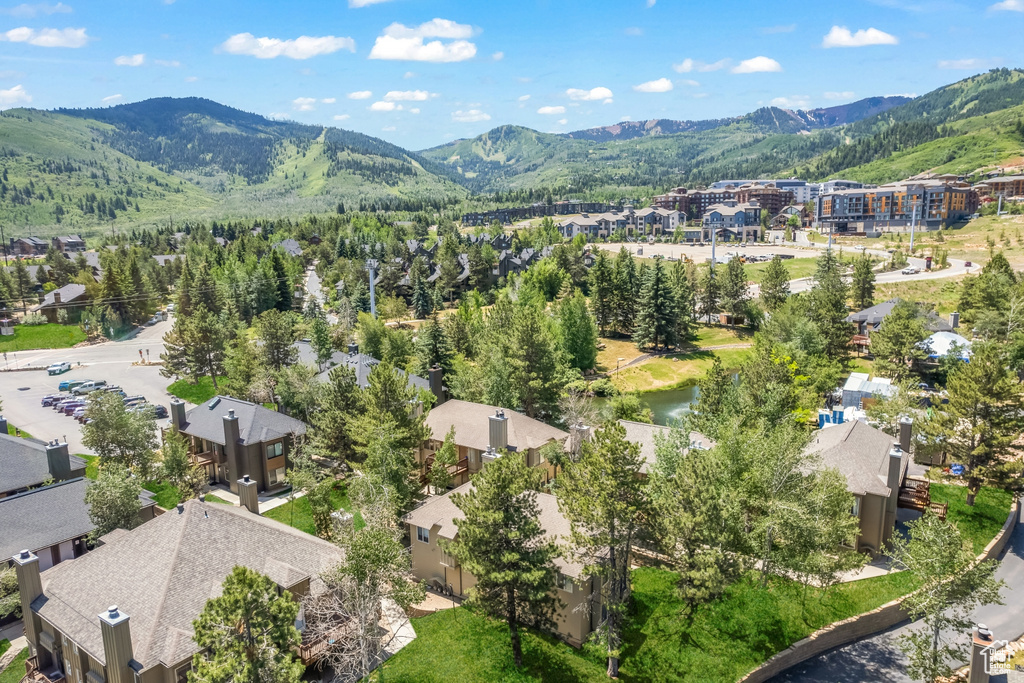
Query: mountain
point(147, 162)
point(957, 123)
point(810, 119)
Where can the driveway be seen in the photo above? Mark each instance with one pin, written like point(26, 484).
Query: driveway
point(315, 290)
point(879, 658)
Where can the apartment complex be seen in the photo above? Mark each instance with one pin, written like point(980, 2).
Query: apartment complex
point(929, 204)
point(639, 223)
point(1002, 186)
point(732, 222)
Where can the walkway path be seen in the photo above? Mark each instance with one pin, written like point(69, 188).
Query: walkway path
point(16, 634)
point(879, 658)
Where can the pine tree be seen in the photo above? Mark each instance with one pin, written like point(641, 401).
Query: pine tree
point(578, 331)
point(708, 294)
point(22, 282)
point(862, 285)
point(447, 456)
point(275, 330)
point(602, 291)
point(320, 341)
point(627, 287)
point(433, 348)
point(656, 310)
point(685, 301)
point(827, 307)
point(204, 338)
point(534, 362)
point(734, 290)
point(896, 343)
point(338, 406)
point(500, 542)
point(282, 281)
point(775, 285)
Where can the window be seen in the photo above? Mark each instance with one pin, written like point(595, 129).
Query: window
point(274, 450)
point(422, 535)
point(565, 583)
point(181, 675)
point(277, 476)
point(856, 507)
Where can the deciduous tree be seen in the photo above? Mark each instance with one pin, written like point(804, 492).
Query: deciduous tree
point(119, 435)
point(113, 500)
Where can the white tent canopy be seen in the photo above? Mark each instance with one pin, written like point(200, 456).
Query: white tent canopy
point(940, 344)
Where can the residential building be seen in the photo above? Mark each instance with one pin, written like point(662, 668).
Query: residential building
point(360, 364)
point(1002, 186)
point(646, 435)
point(860, 391)
point(123, 612)
point(781, 219)
point(732, 222)
point(53, 521)
point(701, 201)
point(233, 438)
point(164, 260)
point(830, 186)
point(941, 344)
point(69, 243)
point(928, 204)
point(875, 469)
point(69, 298)
point(290, 247)
point(769, 197)
point(27, 463)
point(27, 246)
point(482, 432)
point(435, 520)
point(870, 319)
point(802, 190)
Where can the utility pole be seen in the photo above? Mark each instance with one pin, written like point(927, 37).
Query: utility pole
point(913, 223)
point(714, 234)
point(371, 265)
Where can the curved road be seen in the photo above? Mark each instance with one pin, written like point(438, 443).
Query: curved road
point(879, 658)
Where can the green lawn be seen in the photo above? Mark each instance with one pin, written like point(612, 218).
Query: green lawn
point(980, 523)
point(197, 393)
point(797, 268)
point(724, 640)
point(298, 514)
point(675, 371)
point(210, 498)
point(15, 671)
point(167, 496)
point(13, 431)
point(49, 336)
point(719, 335)
point(92, 465)
point(5, 645)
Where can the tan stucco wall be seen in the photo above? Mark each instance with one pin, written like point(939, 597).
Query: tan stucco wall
point(872, 515)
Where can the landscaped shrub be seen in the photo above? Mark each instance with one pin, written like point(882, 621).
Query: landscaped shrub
point(603, 387)
point(34, 319)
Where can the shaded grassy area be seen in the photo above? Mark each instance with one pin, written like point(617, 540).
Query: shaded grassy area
point(297, 513)
point(15, 671)
point(980, 523)
point(718, 335)
point(725, 638)
point(5, 645)
point(166, 496)
point(797, 268)
point(197, 393)
point(210, 498)
point(92, 465)
point(49, 336)
point(675, 371)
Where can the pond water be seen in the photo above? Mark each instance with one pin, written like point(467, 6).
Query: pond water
point(666, 405)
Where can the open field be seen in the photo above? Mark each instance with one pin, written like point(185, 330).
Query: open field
point(797, 268)
point(706, 336)
point(675, 371)
point(943, 293)
point(49, 336)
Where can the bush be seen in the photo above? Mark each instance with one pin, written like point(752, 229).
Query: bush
point(34, 319)
point(604, 387)
point(62, 316)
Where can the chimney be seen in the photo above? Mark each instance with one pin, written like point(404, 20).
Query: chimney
point(498, 430)
point(982, 646)
point(436, 375)
point(247, 495)
point(177, 414)
point(117, 645)
point(954, 320)
point(58, 461)
point(906, 431)
point(56, 296)
point(892, 477)
point(233, 453)
point(3, 425)
point(578, 435)
point(353, 348)
point(415, 408)
point(30, 585)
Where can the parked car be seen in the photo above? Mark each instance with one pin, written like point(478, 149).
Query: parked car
point(79, 414)
point(70, 384)
point(156, 412)
point(58, 368)
point(910, 270)
point(71, 407)
point(967, 264)
point(89, 387)
point(133, 400)
point(61, 405)
point(51, 399)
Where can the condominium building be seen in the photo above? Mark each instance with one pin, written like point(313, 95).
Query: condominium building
point(895, 207)
point(1003, 186)
point(732, 221)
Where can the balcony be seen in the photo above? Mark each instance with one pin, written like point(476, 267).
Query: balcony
point(33, 674)
point(456, 470)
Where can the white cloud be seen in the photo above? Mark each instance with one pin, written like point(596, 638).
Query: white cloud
point(173, 63)
point(470, 116)
point(401, 42)
point(130, 60)
point(792, 102)
point(551, 110)
point(13, 97)
point(840, 36)
point(563, 121)
point(965, 64)
point(27, 11)
point(329, 100)
point(634, 31)
point(110, 99)
point(47, 37)
point(341, 117)
point(409, 74)
point(302, 47)
point(659, 85)
point(524, 98)
point(598, 93)
point(364, 3)
point(688, 65)
point(191, 79)
point(414, 110)
point(385, 106)
point(498, 56)
point(408, 96)
point(304, 103)
point(360, 95)
point(844, 95)
point(1008, 6)
point(650, 3)
point(756, 65)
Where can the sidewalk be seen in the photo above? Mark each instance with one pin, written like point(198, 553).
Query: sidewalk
point(266, 502)
point(16, 634)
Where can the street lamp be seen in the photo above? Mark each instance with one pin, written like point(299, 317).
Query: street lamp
point(617, 363)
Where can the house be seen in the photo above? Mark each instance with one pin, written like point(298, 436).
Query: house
point(233, 438)
point(164, 260)
point(481, 433)
point(782, 218)
point(159, 576)
point(68, 243)
point(70, 298)
point(646, 436)
point(92, 261)
point(875, 469)
point(435, 520)
point(27, 246)
point(290, 246)
point(870, 319)
point(53, 521)
point(28, 463)
point(732, 221)
point(941, 344)
point(360, 363)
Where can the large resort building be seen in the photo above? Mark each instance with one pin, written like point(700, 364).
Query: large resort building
point(924, 204)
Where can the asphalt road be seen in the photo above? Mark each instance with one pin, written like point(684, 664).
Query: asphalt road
point(315, 290)
point(879, 658)
point(110, 361)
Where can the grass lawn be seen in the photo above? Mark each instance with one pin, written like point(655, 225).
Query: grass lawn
point(614, 349)
point(797, 268)
point(676, 371)
point(167, 496)
point(49, 336)
point(298, 514)
point(5, 645)
point(724, 640)
point(943, 293)
point(980, 523)
point(197, 393)
point(210, 498)
point(92, 465)
point(13, 431)
point(718, 335)
point(15, 671)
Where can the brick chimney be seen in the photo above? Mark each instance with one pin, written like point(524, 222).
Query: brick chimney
point(56, 296)
point(248, 496)
point(58, 460)
point(498, 430)
point(117, 646)
point(30, 586)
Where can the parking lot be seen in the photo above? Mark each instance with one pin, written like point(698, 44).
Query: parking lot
point(114, 362)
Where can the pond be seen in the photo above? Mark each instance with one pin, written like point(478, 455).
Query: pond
point(666, 405)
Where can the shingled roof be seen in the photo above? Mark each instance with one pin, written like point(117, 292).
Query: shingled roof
point(256, 424)
point(162, 573)
point(860, 452)
point(645, 435)
point(472, 426)
point(23, 463)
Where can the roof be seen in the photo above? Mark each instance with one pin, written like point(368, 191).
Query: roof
point(859, 382)
point(874, 315)
point(291, 246)
point(360, 363)
point(33, 271)
point(860, 452)
point(472, 426)
point(32, 240)
point(441, 512)
point(23, 463)
point(256, 424)
point(47, 516)
point(162, 573)
point(164, 259)
point(941, 343)
point(646, 435)
point(67, 293)
point(729, 210)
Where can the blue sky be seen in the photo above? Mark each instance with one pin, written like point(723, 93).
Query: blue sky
point(420, 73)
